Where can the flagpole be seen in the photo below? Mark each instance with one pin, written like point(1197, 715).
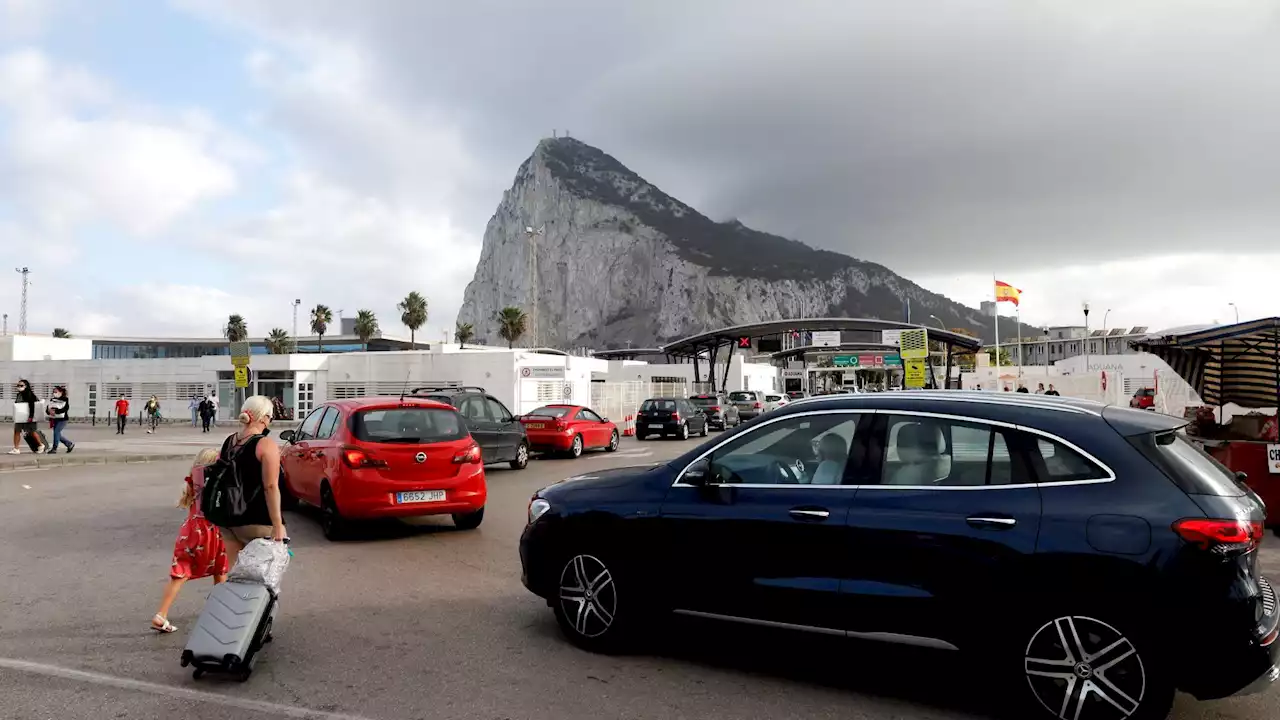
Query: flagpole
point(996, 313)
point(1021, 360)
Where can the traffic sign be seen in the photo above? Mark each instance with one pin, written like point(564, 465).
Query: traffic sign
point(240, 353)
point(913, 372)
point(914, 344)
point(568, 391)
point(242, 376)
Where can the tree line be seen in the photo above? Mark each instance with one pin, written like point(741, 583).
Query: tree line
point(512, 325)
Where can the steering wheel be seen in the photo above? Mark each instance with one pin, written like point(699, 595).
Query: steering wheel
point(787, 473)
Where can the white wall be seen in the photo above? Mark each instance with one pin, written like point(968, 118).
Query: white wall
point(40, 347)
point(742, 375)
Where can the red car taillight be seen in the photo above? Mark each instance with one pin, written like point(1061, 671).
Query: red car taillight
point(469, 455)
point(759, 405)
point(675, 417)
point(561, 424)
point(356, 458)
point(715, 408)
point(1221, 536)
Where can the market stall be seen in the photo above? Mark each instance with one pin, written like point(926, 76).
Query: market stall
point(1237, 367)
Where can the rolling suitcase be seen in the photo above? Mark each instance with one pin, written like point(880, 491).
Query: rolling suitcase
point(35, 439)
point(234, 625)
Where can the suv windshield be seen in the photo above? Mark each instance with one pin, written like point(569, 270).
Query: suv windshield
point(741, 396)
point(554, 412)
point(1194, 470)
point(415, 425)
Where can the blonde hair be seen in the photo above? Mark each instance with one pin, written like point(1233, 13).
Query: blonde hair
point(258, 407)
point(205, 457)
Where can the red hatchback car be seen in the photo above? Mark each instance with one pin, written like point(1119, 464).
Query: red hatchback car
point(569, 429)
point(384, 458)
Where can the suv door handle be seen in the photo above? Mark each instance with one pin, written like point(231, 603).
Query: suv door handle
point(812, 514)
point(992, 522)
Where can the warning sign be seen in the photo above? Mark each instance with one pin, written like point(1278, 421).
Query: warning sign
point(914, 344)
point(913, 372)
point(1273, 458)
point(242, 376)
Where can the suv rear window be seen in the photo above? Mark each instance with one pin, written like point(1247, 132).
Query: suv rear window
point(1190, 467)
point(704, 400)
point(417, 425)
point(658, 405)
point(741, 396)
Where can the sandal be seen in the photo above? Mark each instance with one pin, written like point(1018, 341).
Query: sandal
point(165, 627)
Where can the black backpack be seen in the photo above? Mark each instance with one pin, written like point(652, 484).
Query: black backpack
point(224, 499)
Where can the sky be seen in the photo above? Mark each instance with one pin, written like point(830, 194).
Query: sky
point(164, 163)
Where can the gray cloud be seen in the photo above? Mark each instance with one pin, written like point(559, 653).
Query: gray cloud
point(923, 139)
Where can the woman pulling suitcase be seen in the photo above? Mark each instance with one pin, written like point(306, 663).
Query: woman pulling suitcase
point(24, 419)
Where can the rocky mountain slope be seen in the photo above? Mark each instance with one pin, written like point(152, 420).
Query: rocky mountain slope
point(619, 261)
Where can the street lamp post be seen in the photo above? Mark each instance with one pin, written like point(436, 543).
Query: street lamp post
point(1086, 336)
point(1236, 308)
point(296, 303)
point(941, 325)
point(1046, 353)
point(1105, 342)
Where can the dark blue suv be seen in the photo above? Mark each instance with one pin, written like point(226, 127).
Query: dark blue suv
point(1091, 551)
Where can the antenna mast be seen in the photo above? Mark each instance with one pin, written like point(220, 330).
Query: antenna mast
point(22, 312)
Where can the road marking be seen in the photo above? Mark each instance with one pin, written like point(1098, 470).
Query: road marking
point(26, 487)
point(180, 693)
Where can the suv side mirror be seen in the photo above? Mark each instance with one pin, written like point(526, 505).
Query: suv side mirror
point(287, 436)
point(697, 474)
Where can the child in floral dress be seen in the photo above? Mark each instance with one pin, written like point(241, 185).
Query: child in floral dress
point(199, 551)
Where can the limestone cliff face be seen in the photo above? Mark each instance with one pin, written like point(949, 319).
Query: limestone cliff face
point(618, 261)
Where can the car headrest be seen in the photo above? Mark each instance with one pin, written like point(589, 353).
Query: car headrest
point(918, 442)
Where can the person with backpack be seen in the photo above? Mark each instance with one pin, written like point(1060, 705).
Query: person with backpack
point(24, 417)
point(242, 490)
point(152, 408)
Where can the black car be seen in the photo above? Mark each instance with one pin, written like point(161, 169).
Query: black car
point(500, 434)
point(1090, 554)
point(721, 414)
point(667, 417)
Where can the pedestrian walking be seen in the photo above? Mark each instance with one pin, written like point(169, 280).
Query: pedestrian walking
point(199, 551)
point(152, 408)
point(1023, 389)
point(206, 413)
point(1040, 388)
point(258, 469)
point(59, 411)
point(122, 414)
point(24, 418)
point(1052, 391)
point(213, 399)
point(194, 407)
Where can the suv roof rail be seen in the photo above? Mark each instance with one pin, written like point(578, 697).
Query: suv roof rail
point(443, 388)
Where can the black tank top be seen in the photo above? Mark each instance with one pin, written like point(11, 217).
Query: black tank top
point(249, 469)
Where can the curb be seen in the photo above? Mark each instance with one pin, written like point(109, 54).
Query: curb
point(114, 459)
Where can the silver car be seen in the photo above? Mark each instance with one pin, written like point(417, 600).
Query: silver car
point(773, 401)
point(750, 403)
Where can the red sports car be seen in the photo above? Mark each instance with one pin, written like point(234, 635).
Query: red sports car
point(384, 457)
point(569, 429)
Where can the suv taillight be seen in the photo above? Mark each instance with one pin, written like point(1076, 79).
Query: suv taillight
point(758, 405)
point(356, 458)
point(1220, 536)
point(469, 455)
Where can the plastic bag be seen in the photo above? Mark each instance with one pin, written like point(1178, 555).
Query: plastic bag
point(261, 562)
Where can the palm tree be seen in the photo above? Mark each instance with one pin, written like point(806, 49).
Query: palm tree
point(236, 330)
point(279, 342)
point(464, 334)
point(321, 316)
point(512, 322)
point(61, 333)
point(366, 326)
point(413, 313)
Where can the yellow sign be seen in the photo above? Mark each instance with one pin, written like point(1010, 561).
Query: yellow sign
point(240, 353)
point(242, 376)
point(914, 372)
point(913, 344)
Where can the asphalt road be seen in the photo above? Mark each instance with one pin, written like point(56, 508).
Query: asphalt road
point(414, 621)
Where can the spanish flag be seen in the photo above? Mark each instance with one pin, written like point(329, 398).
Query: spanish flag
point(1007, 293)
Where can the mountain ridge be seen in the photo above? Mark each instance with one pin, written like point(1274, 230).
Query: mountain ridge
point(621, 261)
